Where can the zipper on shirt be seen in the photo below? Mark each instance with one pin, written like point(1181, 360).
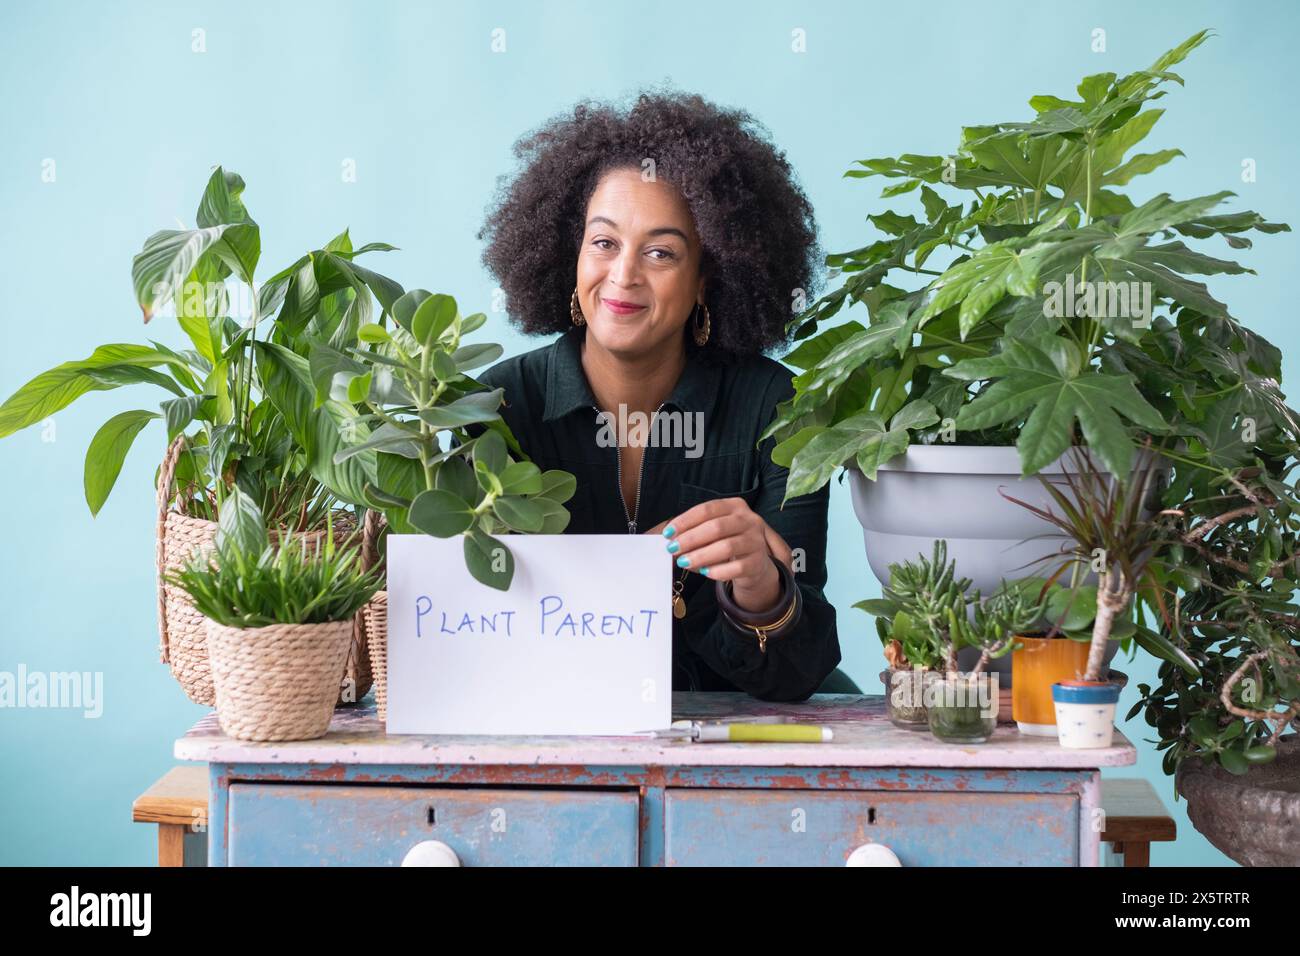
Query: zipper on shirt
point(618, 460)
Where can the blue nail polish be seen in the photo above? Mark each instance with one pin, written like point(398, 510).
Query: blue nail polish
point(673, 547)
point(704, 571)
point(683, 562)
point(669, 531)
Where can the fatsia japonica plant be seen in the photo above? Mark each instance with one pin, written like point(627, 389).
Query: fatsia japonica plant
point(1037, 303)
point(238, 434)
point(446, 463)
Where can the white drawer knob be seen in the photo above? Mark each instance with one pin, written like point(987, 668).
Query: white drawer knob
point(431, 853)
point(872, 854)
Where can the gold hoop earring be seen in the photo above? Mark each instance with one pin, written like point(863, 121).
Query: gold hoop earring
point(575, 311)
point(701, 330)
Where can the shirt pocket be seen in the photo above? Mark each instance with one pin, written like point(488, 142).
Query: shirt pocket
point(692, 495)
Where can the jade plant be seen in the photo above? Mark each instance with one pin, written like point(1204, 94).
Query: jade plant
point(237, 435)
point(1029, 300)
point(446, 463)
point(1230, 572)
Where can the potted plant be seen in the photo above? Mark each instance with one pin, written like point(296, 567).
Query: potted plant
point(1231, 569)
point(222, 428)
point(446, 463)
point(279, 623)
point(917, 595)
point(927, 604)
point(1041, 309)
point(1106, 530)
point(1056, 649)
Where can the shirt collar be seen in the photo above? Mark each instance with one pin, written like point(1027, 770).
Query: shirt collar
point(567, 388)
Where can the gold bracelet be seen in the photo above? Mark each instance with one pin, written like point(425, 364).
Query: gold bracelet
point(761, 629)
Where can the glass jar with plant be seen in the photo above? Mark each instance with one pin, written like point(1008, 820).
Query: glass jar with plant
point(937, 614)
point(279, 622)
point(1027, 304)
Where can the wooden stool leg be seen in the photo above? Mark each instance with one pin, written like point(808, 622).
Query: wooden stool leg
point(1137, 853)
point(171, 844)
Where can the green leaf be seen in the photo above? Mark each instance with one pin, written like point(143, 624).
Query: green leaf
point(433, 317)
point(475, 356)
point(521, 478)
point(520, 514)
point(51, 391)
point(1046, 375)
point(159, 270)
point(179, 412)
point(321, 431)
point(403, 310)
point(979, 283)
point(440, 513)
point(373, 333)
point(466, 410)
point(489, 560)
point(240, 524)
point(457, 476)
point(389, 438)
point(558, 486)
point(107, 451)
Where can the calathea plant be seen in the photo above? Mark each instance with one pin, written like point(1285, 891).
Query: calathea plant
point(445, 461)
point(1039, 304)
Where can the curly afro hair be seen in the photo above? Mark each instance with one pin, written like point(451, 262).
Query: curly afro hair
point(754, 222)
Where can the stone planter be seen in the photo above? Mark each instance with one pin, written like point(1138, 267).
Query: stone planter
point(1254, 818)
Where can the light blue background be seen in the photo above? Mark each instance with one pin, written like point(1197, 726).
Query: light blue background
point(286, 91)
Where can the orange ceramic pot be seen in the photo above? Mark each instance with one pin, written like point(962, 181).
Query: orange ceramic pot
point(1042, 662)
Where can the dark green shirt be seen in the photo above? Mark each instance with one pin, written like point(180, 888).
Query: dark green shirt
point(553, 413)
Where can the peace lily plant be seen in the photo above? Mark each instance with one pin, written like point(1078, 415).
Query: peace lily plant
point(239, 435)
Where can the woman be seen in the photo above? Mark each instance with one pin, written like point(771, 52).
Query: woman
point(667, 243)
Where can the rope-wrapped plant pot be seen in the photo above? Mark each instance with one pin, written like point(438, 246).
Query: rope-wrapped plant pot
point(376, 616)
point(361, 676)
point(183, 641)
point(278, 682)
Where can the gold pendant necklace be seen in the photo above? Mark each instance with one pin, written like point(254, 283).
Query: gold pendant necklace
point(679, 602)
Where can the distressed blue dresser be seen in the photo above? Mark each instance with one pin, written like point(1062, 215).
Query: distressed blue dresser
point(359, 796)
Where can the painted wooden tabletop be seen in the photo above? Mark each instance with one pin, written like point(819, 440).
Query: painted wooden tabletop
point(864, 737)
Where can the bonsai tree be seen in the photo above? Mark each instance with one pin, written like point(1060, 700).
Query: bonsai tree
point(1035, 302)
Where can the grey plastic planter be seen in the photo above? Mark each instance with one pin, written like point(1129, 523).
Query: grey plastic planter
point(952, 492)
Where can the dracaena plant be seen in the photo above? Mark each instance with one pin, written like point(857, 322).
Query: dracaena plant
point(446, 463)
point(237, 436)
point(1035, 302)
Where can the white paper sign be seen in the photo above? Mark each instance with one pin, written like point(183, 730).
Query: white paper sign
point(580, 644)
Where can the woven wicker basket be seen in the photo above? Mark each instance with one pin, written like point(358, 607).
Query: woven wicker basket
point(182, 630)
point(279, 682)
point(376, 614)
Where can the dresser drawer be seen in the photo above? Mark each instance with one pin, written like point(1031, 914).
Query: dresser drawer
point(821, 828)
point(273, 824)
